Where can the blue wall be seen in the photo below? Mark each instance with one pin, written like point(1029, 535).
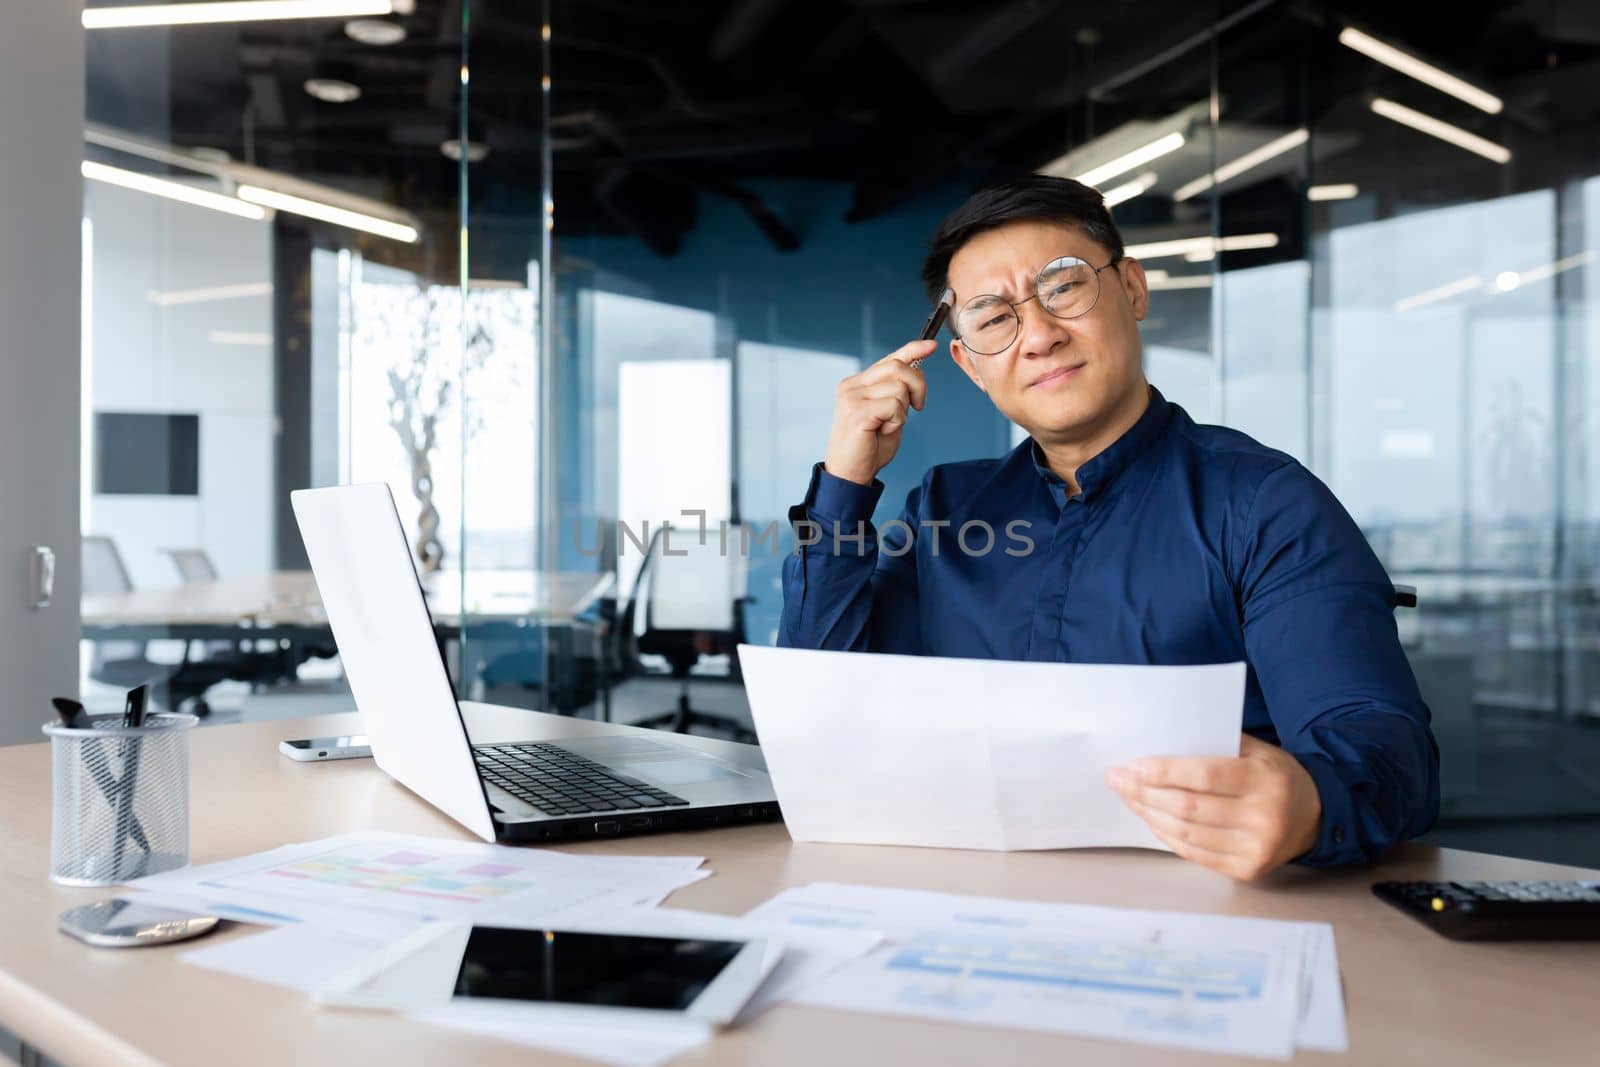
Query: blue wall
point(851, 288)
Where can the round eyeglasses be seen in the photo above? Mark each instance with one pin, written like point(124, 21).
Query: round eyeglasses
point(1067, 288)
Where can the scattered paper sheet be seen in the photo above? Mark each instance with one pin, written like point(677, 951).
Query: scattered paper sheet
point(966, 753)
point(307, 957)
point(1256, 987)
point(378, 883)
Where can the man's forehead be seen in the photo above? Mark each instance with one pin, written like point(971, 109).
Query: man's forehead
point(997, 256)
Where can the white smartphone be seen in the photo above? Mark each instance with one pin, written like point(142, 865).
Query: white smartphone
point(312, 749)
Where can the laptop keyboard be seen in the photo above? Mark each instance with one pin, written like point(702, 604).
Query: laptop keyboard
point(558, 782)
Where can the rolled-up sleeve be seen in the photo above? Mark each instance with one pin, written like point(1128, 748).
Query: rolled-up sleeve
point(840, 591)
point(1321, 640)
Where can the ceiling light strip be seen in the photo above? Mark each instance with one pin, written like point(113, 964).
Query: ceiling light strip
point(338, 216)
point(1202, 247)
point(210, 293)
point(1442, 130)
point(1161, 146)
point(115, 18)
point(1127, 191)
point(1433, 127)
point(1335, 191)
point(1250, 160)
point(145, 183)
point(1181, 281)
point(1442, 292)
point(1427, 73)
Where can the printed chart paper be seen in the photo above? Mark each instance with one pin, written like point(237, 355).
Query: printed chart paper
point(1216, 983)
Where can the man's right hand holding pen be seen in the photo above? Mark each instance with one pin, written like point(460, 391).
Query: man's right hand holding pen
point(870, 412)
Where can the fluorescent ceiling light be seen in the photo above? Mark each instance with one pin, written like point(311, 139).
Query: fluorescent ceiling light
point(239, 337)
point(1443, 130)
point(1131, 160)
point(1426, 73)
point(1406, 444)
point(1508, 280)
point(1438, 293)
point(332, 90)
point(210, 293)
point(1201, 247)
point(1160, 279)
point(1337, 191)
point(375, 32)
point(314, 209)
point(107, 18)
point(1127, 191)
point(1273, 148)
point(477, 151)
point(1237, 243)
point(187, 194)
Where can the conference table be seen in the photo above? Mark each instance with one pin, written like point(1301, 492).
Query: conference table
point(284, 606)
point(1411, 996)
point(221, 608)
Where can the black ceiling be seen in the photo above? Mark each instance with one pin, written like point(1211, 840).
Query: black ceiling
point(654, 103)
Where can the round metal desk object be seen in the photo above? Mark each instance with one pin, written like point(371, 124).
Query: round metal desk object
point(121, 923)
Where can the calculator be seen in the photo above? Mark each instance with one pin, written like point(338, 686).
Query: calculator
point(1500, 911)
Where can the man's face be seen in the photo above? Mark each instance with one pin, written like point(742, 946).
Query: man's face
point(1061, 379)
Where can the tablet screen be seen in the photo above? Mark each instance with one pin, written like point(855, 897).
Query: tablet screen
point(617, 970)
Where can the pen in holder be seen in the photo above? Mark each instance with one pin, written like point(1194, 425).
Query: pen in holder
point(120, 808)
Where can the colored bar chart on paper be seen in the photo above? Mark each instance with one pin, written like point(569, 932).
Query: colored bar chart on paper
point(374, 880)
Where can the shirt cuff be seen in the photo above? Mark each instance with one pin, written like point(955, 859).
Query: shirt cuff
point(1338, 842)
point(830, 499)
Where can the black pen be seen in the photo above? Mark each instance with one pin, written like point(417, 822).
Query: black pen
point(72, 717)
point(133, 713)
point(941, 311)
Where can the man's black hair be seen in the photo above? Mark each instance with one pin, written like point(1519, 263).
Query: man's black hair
point(1036, 198)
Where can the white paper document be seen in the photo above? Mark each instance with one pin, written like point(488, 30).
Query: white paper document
point(379, 884)
point(877, 749)
point(1256, 987)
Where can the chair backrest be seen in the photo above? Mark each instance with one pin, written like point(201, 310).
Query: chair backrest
point(194, 564)
point(104, 572)
point(103, 569)
point(694, 586)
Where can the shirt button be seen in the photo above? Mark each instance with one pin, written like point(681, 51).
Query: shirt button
point(1338, 835)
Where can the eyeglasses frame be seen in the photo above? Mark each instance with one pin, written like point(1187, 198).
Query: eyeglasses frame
point(1016, 308)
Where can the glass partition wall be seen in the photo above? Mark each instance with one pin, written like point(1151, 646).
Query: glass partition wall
point(273, 300)
point(649, 241)
point(1368, 234)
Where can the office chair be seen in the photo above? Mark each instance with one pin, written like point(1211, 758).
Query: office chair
point(193, 564)
point(125, 664)
point(687, 603)
point(242, 660)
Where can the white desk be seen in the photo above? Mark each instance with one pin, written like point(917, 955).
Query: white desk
point(1413, 997)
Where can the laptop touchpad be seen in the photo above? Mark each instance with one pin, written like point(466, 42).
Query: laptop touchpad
point(662, 764)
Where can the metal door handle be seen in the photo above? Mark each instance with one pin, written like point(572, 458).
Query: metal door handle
point(42, 568)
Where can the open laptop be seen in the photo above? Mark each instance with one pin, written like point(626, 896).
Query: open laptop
point(565, 780)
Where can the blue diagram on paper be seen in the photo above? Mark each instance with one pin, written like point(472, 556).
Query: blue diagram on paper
point(1096, 966)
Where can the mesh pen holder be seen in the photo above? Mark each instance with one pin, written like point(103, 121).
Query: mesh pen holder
point(120, 804)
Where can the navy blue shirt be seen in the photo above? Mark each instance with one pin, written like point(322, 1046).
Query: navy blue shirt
point(1186, 544)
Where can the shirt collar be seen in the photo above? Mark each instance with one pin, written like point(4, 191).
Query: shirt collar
point(1103, 469)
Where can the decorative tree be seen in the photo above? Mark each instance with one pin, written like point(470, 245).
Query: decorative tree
point(428, 324)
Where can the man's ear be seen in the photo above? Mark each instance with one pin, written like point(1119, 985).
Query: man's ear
point(964, 361)
point(1136, 286)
